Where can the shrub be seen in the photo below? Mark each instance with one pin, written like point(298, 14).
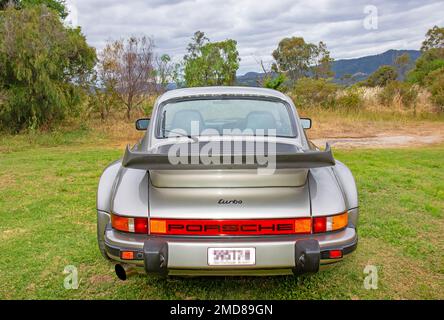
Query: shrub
point(350, 99)
point(314, 92)
point(435, 84)
point(381, 77)
point(405, 92)
point(103, 103)
point(276, 83)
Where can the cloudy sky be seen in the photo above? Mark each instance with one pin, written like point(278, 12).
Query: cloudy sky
point(349, 28)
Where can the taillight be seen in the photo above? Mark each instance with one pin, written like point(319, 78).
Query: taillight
point(302, 225)
point(129, 224)
point(330, 223)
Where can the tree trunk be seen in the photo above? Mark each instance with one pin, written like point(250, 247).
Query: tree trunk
point(129, 107)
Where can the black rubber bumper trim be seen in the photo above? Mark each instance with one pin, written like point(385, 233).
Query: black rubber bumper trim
point(115, 251)
point(307, 256)
point(345, 249)
point(155, 252)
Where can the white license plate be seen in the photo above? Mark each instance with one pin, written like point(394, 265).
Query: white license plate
point(231, 256)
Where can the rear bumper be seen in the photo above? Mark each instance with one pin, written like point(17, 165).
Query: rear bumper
point(188, 255)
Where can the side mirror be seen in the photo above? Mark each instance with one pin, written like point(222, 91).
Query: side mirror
point(142, 124)
point(306, 123)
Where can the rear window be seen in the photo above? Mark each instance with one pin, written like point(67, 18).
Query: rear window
point(226, 117)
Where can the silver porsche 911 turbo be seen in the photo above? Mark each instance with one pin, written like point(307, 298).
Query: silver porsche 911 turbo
point(225, 182)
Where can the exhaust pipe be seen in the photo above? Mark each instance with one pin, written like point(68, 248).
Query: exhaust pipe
point(123, 271)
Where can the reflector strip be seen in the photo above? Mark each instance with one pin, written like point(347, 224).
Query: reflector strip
point(230, 227)
point(335, 254)
point(127, 255)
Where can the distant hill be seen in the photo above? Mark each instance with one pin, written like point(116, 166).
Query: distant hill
point(363, 67)
point(358, 68)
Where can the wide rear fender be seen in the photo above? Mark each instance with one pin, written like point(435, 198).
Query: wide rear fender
point(106, 183)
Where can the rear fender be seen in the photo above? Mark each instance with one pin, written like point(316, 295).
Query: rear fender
point(350, 191)
point(104, 195)
point(106, 184)
point(325, 193)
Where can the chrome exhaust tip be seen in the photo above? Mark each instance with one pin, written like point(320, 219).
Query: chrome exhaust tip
point(123, 271)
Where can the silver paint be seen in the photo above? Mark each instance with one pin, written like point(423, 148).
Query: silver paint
point(192, 194)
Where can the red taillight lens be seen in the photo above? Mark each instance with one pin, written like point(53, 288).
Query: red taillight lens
point(330, 223)
point(320, 224)
point(140, 225)
point(129, 224)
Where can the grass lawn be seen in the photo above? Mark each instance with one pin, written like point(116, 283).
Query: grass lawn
point(48, 221)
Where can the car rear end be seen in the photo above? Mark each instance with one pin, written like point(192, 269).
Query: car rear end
point(211, 228)
point(221, 219)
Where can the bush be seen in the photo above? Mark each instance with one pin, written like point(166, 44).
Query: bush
point(314, 92)
point(275, 83)
point(428, 62)
point(42, 66)
point(350, 99)
point(435, 84)
point(381, 77)
point(103, 103)
point(405, 92)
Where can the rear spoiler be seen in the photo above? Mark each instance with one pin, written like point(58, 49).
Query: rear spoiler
point(295, 160)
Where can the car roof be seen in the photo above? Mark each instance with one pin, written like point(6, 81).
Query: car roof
point(217, 91)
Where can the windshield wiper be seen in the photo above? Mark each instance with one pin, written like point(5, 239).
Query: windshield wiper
point(181, 134)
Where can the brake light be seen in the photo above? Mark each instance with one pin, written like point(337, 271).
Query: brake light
point(129, 224)
point(330, 223)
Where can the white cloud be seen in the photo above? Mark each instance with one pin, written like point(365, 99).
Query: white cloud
point(259, 25)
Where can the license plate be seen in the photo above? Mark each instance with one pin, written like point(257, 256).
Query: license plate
point(231, 256)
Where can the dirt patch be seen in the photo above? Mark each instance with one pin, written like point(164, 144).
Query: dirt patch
point(99, 279)
point(381, 141)
point(11, 233)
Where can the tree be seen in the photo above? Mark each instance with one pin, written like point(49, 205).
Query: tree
point(297, 59)
point(435, 83)
point(321, 62)
point(127, 68)
point(164, 71)
point(56, 5)
point(382, 76)
point(194, 48)
point(210, 63)
point(432, 57)
point(43, 67)
point(5, 3)
point(434, 39)
point(402, 63)
point(270, 79)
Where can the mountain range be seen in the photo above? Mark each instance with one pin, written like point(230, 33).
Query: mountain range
point(355, 69)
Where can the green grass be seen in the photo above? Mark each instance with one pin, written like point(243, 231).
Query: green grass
point(47, 210)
